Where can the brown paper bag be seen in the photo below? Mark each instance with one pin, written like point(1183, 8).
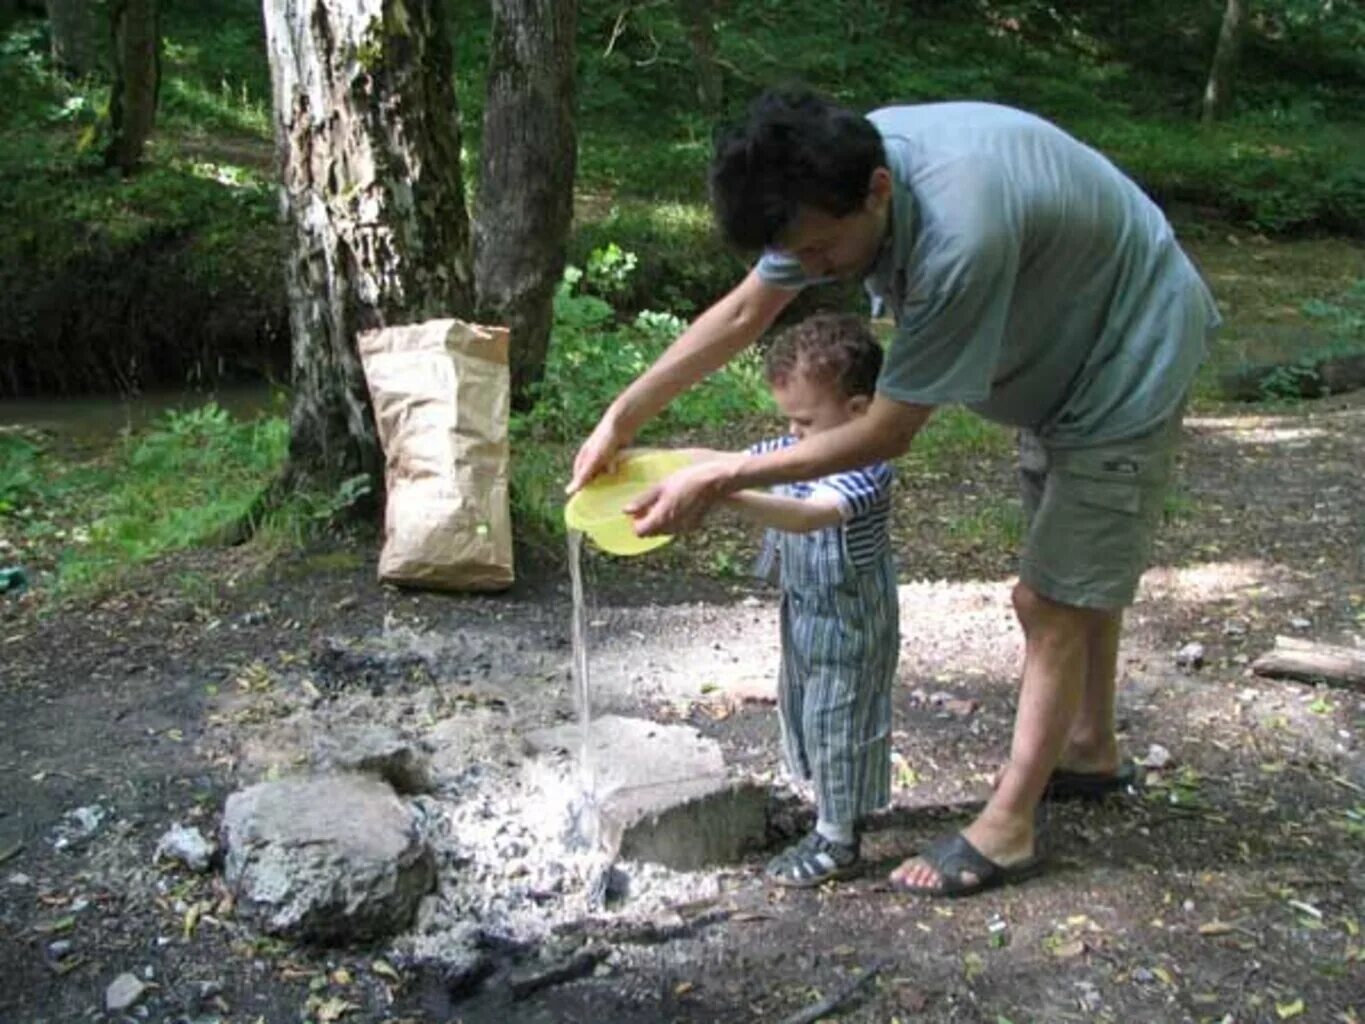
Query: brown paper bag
point(440, 394)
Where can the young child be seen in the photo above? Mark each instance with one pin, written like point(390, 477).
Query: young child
point(829, 547)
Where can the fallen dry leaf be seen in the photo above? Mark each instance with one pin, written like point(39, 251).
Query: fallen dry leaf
point(385, 970)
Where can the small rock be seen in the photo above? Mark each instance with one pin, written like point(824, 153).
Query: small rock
point(123, 992)
point(1300, 623)
point(19, 879)
point(960, 707)
point(1241, 659)
point(1234, 627)
point(78, 825)
point(1157, 757)
point(1190, 656)
point(751, 602)
point(60, 948)
point(1143, 976)
point(186, 845)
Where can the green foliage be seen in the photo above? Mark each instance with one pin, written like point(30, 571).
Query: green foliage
point(189, 479)
point(1275, 178)
point(593, 356)
point(173, 274)
point(193, 475)
point(954, 434)
point(680, 264)
point(997, 524)
point(1343, 318)
point(1342, 324)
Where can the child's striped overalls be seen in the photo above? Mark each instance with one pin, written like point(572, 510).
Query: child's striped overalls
point(840, 642)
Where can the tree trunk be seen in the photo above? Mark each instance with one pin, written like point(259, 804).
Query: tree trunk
point(699, 18)
point(137, 81)
point(74, 31)
point(368, 148)
point(1218, 91)
point(527, 175)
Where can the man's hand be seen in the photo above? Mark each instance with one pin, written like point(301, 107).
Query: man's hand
point(597, 455)
point(681, 502)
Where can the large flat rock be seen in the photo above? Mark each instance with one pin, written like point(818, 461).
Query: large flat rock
point(663, 792)
point(330, 858)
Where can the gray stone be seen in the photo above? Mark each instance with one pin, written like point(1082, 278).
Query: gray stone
point(1157, 757)
point(331, 858)
point(78, 825)
point(186, 845)
point(1190, 656)
point(663, 793)
point(377, 750)
point(123, 992)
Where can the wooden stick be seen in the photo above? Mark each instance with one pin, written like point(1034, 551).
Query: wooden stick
point(1304, 660)
point(832, 1002)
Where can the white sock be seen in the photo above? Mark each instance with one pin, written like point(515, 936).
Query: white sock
point(836, 832)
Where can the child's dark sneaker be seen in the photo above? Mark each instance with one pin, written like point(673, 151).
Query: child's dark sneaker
point(813, 861)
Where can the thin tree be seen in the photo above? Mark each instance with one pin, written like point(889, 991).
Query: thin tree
point(699, 18)
point(73, 30)
point(368, 147)
point(526, 180)
point(137, 81)
point(1218, 91)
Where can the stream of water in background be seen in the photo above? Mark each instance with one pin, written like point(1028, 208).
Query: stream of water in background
point(585, 815)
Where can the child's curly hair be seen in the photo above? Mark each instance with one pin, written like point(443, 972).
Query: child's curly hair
point(829, 348)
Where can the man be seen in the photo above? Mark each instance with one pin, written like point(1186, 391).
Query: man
point(1030, 281)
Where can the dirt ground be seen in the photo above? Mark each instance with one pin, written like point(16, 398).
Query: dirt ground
point(1231, 889)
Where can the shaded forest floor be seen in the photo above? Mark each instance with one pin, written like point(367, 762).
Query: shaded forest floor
point(1232, 888)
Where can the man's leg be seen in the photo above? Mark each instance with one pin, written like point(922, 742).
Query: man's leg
point(1092, 745)
point(1091, 515)
point(1058, 641)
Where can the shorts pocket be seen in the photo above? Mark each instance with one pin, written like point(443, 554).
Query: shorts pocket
point(1111, 495)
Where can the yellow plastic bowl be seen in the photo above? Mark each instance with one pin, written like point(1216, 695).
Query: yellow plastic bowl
point(597, 509)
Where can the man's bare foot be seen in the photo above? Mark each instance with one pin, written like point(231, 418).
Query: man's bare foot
point(1004, 841)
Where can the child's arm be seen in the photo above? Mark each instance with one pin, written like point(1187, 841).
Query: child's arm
point(792, 515)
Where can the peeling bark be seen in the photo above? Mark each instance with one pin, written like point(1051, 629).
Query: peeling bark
point(368, 149)
point(527, 175)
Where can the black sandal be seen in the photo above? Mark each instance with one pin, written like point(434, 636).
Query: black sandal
point(813, 861)
point(1068, 785)
point(953, 856)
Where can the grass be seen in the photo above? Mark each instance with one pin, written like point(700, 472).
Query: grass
point(79, 523)
point(996, 523)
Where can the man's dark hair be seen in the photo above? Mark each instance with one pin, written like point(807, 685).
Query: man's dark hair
point(830, 348)
point(795, 148)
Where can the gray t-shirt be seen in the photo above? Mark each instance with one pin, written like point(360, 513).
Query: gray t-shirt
point(1028, 278)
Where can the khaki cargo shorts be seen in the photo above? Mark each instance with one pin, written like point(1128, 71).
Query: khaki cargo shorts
point(1092, 514)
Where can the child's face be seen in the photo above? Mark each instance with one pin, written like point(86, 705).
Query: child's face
point(813, 406)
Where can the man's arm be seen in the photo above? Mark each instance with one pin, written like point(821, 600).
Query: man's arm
point(712, 340)
point(883, 432)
